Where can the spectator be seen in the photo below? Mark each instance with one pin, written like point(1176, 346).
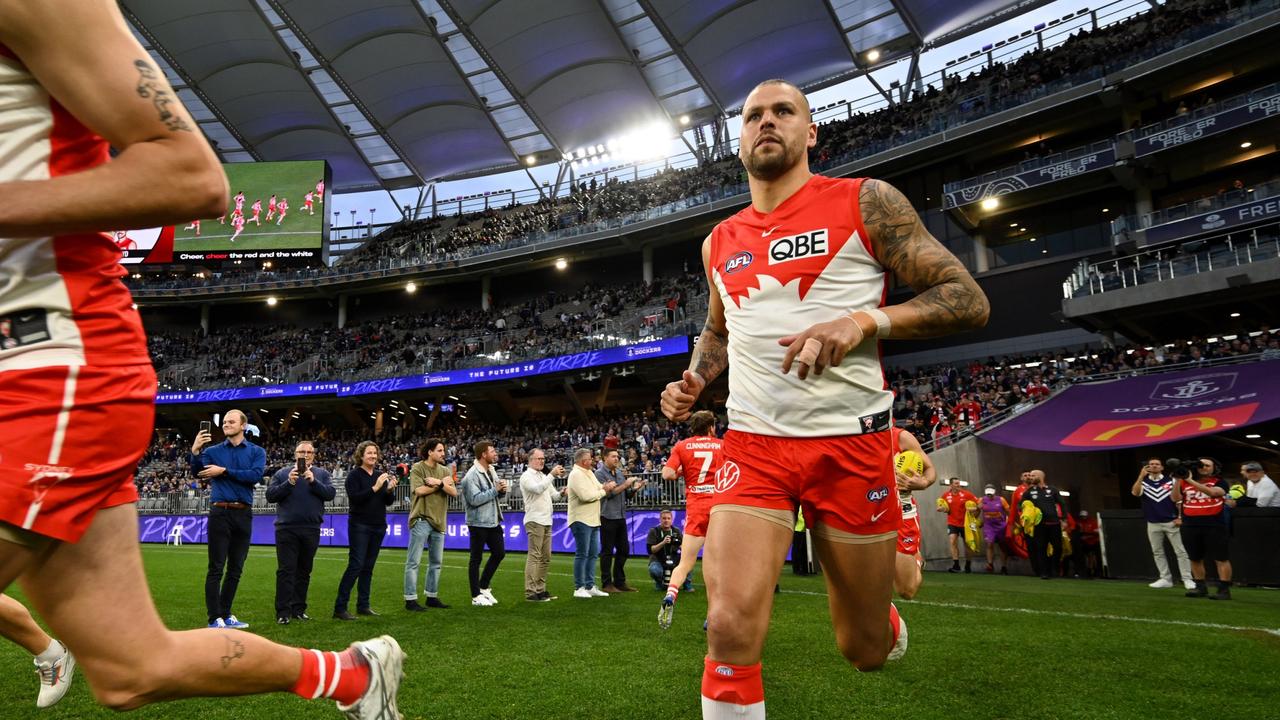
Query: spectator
point(952, 503)
point(1163, 522)
point(233, 467)
point(1260, 486)
point(1046, 545)
point(539, 490)
point(366, 526)
point(615, 538)
point(483, 490)
point(298, 519)
point(431, 485)
point(663, 541)
point(1204, 499)
point(585, 494)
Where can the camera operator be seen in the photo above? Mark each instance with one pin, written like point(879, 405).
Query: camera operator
point(1156, 490)
point(298, 519)
point(1203, 497)
point(664, 542)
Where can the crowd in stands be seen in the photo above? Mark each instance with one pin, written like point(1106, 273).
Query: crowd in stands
point(960, 98)
point(939, 404)
point(552, 323)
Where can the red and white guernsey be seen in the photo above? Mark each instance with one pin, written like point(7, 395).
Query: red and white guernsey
point(61, 296)
point(809, 261)
point(698, 458)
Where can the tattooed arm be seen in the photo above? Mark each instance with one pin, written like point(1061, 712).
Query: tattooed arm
point(82, 53)
point(947, 300)
point(710, 353)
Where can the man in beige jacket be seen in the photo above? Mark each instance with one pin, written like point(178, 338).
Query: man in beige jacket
point(585, 493)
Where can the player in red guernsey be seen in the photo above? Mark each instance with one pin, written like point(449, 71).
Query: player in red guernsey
point(798, 280)
point(257, 213)
point(271, 207)
point(283, 207)
point(307, 204)
point(907, 572)
point(77, 391)
point(237, 224)
point(698, 459)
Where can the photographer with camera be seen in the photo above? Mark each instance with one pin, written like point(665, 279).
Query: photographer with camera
point(232, 467)
point(1163, 522)
point(298, 519)
point(369, 495)
point(1203, 497)
point(664, 542)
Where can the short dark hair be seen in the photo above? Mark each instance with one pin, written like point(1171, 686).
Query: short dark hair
point(702, 421)
point(481, 448)
point(665, 511)
point(428, 445)
point(609, 451)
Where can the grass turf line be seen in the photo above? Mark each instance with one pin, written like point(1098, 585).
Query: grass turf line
point(981, 647)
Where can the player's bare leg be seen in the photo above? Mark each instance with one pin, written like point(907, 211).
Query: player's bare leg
point(741, 562)
point(859, 590)
point(688, 559)
point(908, 574)
point(55, 665)
point(94, 595)
point(17, 625)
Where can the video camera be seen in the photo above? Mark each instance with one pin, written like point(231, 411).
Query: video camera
point(1177, 469)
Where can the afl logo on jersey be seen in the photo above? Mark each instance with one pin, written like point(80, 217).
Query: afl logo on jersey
point(878, 494)
point(737, 262)
point(726, 476)
point(807, 244)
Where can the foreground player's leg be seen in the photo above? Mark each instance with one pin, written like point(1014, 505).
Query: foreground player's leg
point(55, 665)
point(859, 579)
point(94, 595)
point(744, 553)
point(688, 559)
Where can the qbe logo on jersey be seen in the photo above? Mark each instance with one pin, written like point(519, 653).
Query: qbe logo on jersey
point(797, 247)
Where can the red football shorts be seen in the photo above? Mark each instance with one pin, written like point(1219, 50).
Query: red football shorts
point(909, 536)
point(696, 514)
point(845, 482)
point(70, 439)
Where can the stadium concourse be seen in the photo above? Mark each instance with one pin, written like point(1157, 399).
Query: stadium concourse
point(1102, 179)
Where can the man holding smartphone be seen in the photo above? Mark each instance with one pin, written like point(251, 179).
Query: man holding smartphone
point(300, 490)
point(232, 467)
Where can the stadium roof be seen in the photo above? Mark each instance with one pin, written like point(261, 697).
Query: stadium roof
point(398, 93)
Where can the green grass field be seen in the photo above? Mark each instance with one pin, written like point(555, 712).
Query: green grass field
point(981, 647)
point(290, 180)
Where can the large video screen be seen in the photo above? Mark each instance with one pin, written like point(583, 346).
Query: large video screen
point(277, 213)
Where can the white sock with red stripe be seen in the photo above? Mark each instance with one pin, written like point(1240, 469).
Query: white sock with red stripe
point(342, 676)
point(673, 591)
point(732, 692)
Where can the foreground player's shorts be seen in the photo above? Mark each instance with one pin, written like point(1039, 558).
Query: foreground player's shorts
point(845, 483)
point(909, 536)
point(70, 439)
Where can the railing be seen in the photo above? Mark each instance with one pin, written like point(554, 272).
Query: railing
point(657, 493)
point(1173, 367)
point(981, 103)
point(1220, 201)
point(1189, 258)
point(1201, 113)
point(1032, 164)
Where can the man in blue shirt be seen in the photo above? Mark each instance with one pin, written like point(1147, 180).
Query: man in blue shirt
point(232, 468)
point(1158, 506)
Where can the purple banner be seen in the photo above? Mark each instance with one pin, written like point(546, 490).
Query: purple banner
point(333, 532)
point(1139, 411)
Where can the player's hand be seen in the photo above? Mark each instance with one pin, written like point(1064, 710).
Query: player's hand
point(910, 482)
point(211, 471)
point(202, 438)
point(831, 341)
point(678, 397)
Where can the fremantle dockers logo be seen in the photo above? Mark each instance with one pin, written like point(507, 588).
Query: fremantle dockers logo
point(1194, 388)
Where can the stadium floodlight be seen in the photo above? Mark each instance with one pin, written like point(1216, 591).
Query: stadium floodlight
point(1252, 436)
point(411, 287)
point(561, 264)
point(873, 55)
point(530, 160)
point(684, 119)
point(1273, 442)
point(611, 145)
point(1033, 239)
point(1105, 210)
point(1013, 224)
point(1246, 145)
point(990, 204)
point(1235, 314)
point(272, 301)
point(599, 149)
point(582, 152)
point(567, 157)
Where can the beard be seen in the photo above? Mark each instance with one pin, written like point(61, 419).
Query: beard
point(772, 166)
